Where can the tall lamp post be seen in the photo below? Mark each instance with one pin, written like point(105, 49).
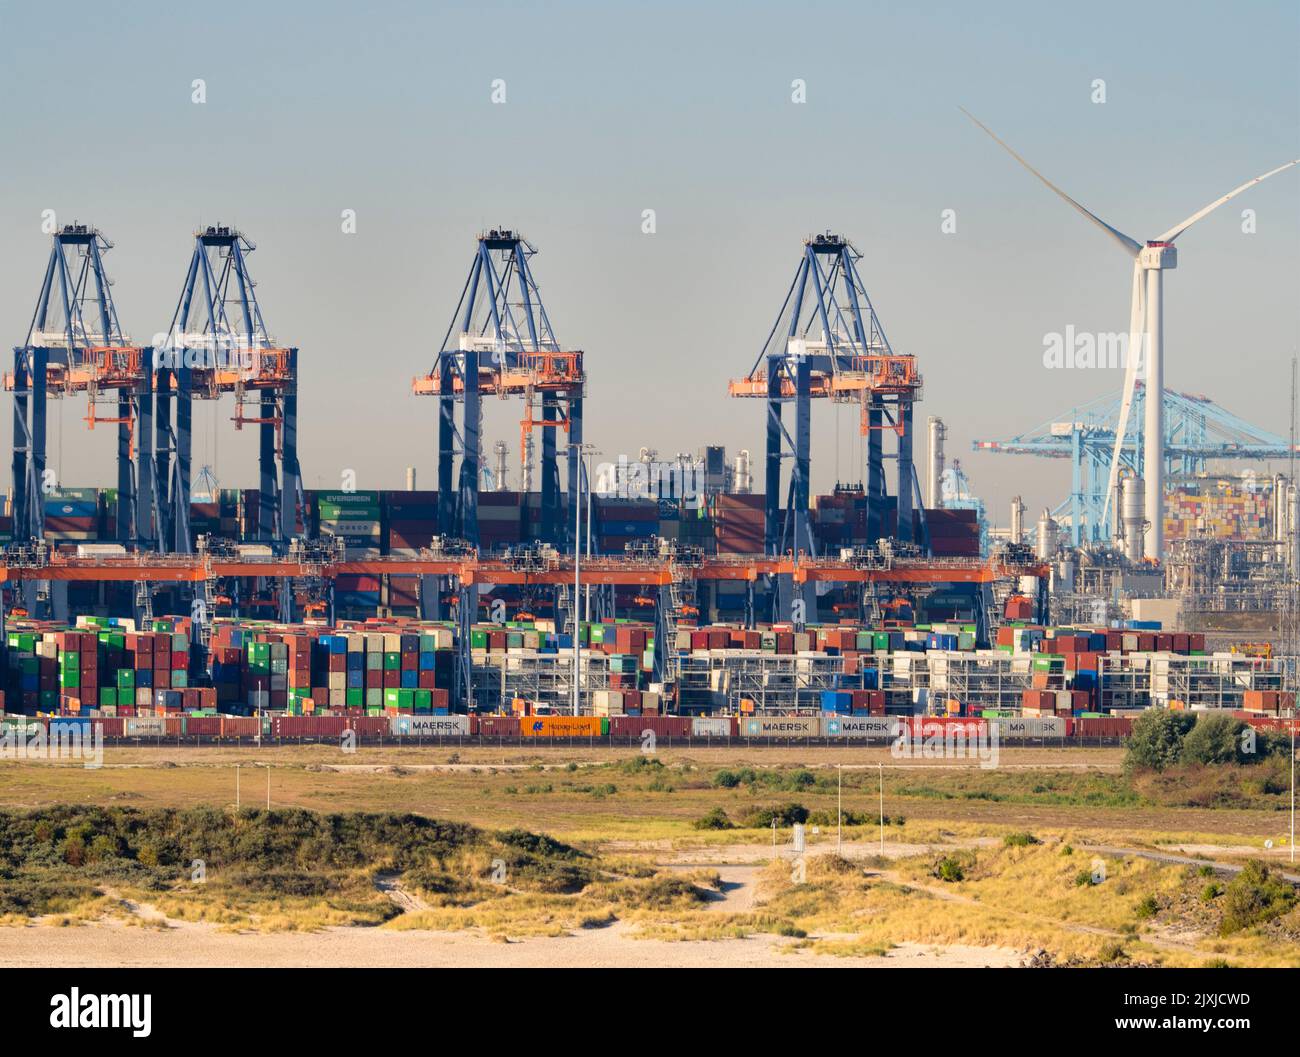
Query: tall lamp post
point(582, 450)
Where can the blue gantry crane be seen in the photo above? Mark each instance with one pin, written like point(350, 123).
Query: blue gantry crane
point(1196, 431)
point(500, 342)
point(75, 344)
point(827, 342)
point(218, 343)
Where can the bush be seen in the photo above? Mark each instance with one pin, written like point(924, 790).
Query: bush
point(849, 818)
point(1210, 893)
point(1148, 908)
point(726, 779)
point(1157, 739)
point(1216, 738)
point(1253, 897)
point(1019, 840)
point(783, 814)
point(715, 819)
point(949, 869)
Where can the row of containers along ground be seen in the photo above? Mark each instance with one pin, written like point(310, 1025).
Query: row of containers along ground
point(107, 668)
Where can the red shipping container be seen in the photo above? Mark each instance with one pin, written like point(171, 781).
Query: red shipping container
point(498, 726)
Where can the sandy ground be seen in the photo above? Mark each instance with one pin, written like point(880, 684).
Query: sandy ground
point(153, 940)
point(122, 946)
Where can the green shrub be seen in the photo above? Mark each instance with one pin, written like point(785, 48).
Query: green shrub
point(1253, 897)
point(715, 819)
point(1157, 739)
point(783, 814)
point(1216, 739)
point(949, 869)
point(1019, 840)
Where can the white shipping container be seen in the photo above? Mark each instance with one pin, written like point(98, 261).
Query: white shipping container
point(879, 727)
point(1031, 727)
point(430, 726)
point(711, 727)
point(781, 727)
point(144, 727)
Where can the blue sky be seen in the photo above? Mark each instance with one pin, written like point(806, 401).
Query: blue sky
point(613, 108)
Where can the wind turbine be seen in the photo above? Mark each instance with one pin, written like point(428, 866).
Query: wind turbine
point(1146, 332)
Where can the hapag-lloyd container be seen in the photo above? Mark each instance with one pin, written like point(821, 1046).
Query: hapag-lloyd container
point(562, 726)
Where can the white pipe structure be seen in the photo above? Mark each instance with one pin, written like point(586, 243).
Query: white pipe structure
point(1017, 519)
point(1146, 341)
point(934, 482)
point(744, 482)
point(501, 455)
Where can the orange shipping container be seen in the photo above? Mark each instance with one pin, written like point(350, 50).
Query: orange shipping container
point(560, 726)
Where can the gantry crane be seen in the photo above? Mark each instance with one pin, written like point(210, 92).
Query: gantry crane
point(1196, 430)
point(218, 343)
point(500, 343)
point(828, 343)
point(75, 344)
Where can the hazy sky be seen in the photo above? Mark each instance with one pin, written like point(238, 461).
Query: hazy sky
point(614, 108)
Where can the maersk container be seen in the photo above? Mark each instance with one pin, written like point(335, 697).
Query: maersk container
point(780, 727)
point(430, 726)
point(876, 727)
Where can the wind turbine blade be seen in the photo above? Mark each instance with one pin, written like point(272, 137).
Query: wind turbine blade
point(1131, 246)
point(1136, 341)
point(1177, 230)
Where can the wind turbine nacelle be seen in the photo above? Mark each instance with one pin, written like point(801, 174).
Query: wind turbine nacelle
point(1159, 256)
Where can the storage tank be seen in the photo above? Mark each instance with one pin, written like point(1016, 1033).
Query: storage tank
point(1017, 520)
point(933, 486)
point(1281, 512)
point(1048, 536)
point(1132, 516)
point(744, 479)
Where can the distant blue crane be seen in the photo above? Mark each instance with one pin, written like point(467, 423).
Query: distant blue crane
point(1196, 430)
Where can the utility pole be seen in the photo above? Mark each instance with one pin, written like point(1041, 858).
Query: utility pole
point(581, 449)
point(839, 812)
point(881, 767)
point(236, 787)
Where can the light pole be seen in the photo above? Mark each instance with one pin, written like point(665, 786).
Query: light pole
point(1293, 783)
point(881, 766)
point(839, 812)
point(581, 449)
